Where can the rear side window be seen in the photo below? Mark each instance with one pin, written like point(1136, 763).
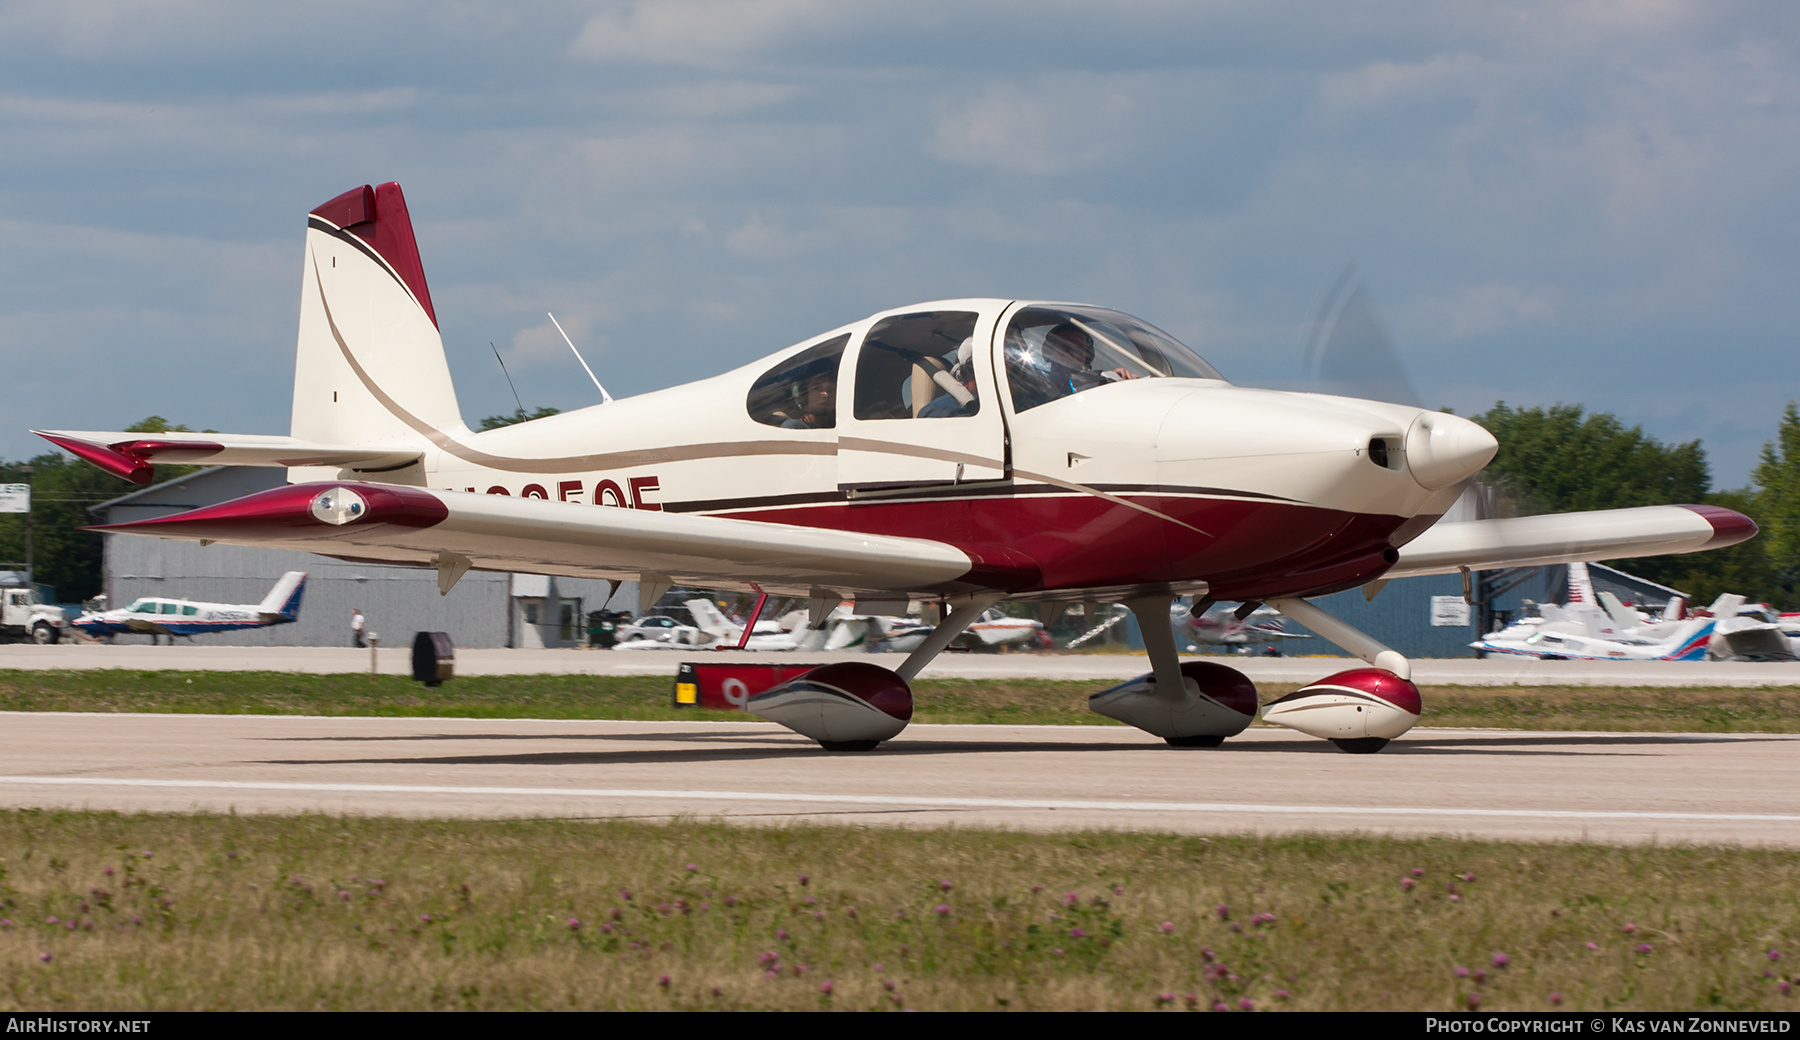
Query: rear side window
point(918, 366)
point(801, 392)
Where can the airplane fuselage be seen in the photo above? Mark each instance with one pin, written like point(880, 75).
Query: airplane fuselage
point(1189, 483)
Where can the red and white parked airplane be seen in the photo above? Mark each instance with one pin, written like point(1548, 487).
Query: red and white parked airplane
point(971, 451)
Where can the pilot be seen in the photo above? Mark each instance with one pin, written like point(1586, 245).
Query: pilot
point(815, 398)
point(1063, 369)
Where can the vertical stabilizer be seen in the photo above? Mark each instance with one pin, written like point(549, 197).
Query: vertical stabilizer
point(1581, 587)
point(708, 619)
point(370, 368)
point(283, 601)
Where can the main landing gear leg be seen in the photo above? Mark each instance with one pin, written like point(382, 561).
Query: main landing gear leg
point(855, 705)
point(1359, 710)
point(961, 616)
point(1197, 704)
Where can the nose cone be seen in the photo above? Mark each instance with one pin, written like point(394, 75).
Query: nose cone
point(1442, 449)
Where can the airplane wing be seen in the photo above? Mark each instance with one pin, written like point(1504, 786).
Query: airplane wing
point(1604, 534)
point(131, 455)
point(455, 531)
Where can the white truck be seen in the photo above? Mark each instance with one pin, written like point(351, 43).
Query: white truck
point(24, 616)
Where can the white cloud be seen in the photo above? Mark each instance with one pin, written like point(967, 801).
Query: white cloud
point(697, 31)
point(1053, 126)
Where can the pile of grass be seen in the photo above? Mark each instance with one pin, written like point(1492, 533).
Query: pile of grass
point(104, 911)
point(996, 701)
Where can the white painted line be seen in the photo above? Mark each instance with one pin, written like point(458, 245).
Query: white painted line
point(891, 801)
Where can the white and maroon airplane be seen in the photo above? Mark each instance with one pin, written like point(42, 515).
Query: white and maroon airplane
point(970, 451)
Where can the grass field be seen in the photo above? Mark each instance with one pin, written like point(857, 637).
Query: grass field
point(104, 911)
point(1014, 701)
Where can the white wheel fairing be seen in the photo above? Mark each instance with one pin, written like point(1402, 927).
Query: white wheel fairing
point(845, 703)
point(1353, 705)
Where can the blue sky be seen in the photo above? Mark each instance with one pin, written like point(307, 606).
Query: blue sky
point(1569, 201)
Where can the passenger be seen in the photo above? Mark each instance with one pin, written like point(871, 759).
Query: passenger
point(946, 406)
point(815, 402)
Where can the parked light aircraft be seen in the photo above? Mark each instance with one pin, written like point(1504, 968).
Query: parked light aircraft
point(1220, 626)
point(161, 616)
point(969, 451)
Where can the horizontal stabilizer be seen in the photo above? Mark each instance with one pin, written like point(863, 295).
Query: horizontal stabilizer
point(394, 524)
point(1606, 534)
point(131, 455)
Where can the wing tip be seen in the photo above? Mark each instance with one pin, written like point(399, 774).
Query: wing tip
point(1729, 526)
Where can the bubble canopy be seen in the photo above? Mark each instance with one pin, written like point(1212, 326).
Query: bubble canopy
point(1054, 351)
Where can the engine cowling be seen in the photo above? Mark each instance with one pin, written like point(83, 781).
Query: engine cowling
point(849, 706)
point(1219, 702)
point(1359, 710)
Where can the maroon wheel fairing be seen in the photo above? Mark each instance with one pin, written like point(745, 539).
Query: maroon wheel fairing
point(850, 706)
point(1359, 710)
point(1225, 707)
point(1376, 682)
point(871, 684)
point(1226, 686)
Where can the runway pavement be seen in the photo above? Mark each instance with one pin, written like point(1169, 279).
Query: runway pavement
point(1619, 787)
point(1294, 671)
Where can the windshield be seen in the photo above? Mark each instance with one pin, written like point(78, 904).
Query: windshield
point(1053, 352)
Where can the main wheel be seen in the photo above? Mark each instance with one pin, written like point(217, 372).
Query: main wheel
point(849, 745)
point(1362, 745)
point(43, 634)
point(1199, 740)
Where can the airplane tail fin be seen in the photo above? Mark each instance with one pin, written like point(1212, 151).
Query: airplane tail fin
point(1621, 615)
point(1726, 606)
point(283, 601)
point(1690, 642)
point(370, 365)
point(710, 620)
point(1581, 587)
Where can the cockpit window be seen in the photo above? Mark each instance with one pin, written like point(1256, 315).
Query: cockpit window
point(918, 366)
point(1054, 352)
point(144, 606)
point(801, 392)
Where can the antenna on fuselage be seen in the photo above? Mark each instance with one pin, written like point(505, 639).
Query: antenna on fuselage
point(508, 375)
point(605, 398)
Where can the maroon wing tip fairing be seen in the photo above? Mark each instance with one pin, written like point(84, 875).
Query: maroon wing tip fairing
point(291, 511)
point(377, 215)
point(1729, 526)
point(108, 458)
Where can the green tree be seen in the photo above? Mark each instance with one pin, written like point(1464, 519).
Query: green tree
point(494, 422)
point(1558, 459)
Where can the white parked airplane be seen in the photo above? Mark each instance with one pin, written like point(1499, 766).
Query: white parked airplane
point(969, 451)
point(1219, 625)
point(162, 616)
